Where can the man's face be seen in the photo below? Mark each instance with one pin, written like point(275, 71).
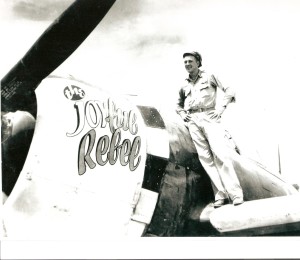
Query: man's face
point(190, 63)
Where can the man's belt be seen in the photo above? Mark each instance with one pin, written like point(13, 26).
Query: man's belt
point(200, 109)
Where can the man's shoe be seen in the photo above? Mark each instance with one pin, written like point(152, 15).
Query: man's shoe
point(219, 203)
point(238, 201)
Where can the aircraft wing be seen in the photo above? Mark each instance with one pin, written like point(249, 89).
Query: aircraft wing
point(278, 215)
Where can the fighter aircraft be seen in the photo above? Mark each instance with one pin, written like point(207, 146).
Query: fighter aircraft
point(100, 165)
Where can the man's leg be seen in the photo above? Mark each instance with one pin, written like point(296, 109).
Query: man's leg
point(207, 160)
point(220, 148)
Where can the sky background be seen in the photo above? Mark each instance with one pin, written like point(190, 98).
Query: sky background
point(253, 46)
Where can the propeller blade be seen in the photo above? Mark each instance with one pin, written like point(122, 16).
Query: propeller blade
point(52, 48)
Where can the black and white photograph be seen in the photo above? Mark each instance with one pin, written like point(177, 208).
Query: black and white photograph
point(136, 129)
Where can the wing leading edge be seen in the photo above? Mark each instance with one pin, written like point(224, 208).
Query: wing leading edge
point(259, 217)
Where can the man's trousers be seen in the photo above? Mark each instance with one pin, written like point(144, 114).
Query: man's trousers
point(214, 152)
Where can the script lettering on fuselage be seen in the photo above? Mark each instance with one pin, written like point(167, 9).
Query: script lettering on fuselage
point(96, 115)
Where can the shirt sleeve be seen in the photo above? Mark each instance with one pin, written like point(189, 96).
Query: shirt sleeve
point(229, 93)
point(180, 102)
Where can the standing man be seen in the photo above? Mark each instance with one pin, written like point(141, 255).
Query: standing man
point(197, 107)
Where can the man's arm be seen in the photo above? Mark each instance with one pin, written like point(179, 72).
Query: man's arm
point(229, 96)
point(180, 106)
point(180, 102)
point(229, 93)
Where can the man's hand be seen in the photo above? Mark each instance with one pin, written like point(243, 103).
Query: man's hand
point(185, 116)
point(216, 114)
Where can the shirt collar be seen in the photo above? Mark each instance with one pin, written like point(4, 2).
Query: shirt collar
point(187, 88)
point(200, 74)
